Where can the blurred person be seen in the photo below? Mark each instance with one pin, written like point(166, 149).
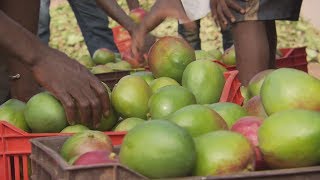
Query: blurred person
point(252, 23)
point(92, 18)
point(190, 31)
point(31, 64)
point(254, 30)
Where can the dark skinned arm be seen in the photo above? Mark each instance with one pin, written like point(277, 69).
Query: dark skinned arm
point(10, 35)
point(133, 4)
point(112, 8)
point(70, 82)
point(221, 13)
point(158, 13)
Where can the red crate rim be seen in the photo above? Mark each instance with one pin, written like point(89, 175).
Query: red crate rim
point(5, 126)
point(287, 53)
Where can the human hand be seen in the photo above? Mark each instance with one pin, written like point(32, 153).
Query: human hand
point(148, 42)
point(137, 43)
point(141, 44)
point(158, 13)
point(221, 13)
point(78, 90)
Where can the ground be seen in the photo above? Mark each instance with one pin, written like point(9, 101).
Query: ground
point(66, 36)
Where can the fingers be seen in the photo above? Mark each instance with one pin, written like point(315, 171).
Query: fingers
point(145, 56)
point(68, 105)
point(95, 106)
point(221, 11)
point(150, 40)
point(136, 53)
point(222, 19)
point(103, 98)
point(216, 21)
point(91, 102)
point(226, 11)
point(136, 49)
point(83, 106)
point(235, 6)
point(81, 93)
point(214, 13)
point(140, 60)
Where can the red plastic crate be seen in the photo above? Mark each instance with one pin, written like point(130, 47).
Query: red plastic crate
point(15, 149)
point(231, 90)
point(292, 58)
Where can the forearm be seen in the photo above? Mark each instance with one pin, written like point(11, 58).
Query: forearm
point(133, 4)
point(150, 22)
point(16, 41)
point(159, 12)
point(112, 8)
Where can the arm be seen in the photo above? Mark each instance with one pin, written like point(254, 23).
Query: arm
point(133, 4)
point(10, 34)
point(158, 13)
point(112, 8)
point(221, 11)
point(75, 87)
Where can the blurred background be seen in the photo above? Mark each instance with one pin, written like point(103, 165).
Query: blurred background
point(66, 35)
